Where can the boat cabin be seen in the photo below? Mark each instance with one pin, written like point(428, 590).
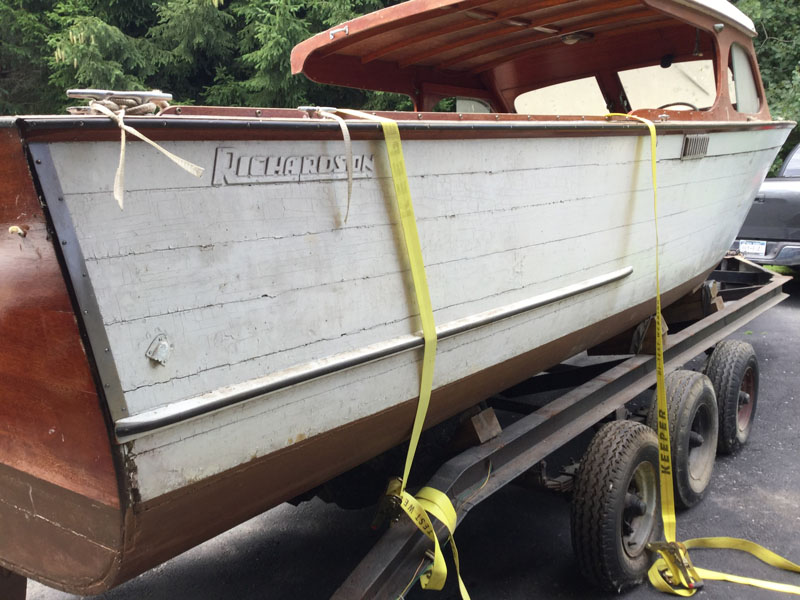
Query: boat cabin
point(661, 59)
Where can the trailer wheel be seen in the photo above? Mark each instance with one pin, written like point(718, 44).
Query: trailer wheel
point(733, 369)
point(693, 429)
point(615, 505)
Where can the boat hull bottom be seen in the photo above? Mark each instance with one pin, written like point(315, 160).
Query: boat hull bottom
point(70, 542)
point(165, 526)
point(56, 536)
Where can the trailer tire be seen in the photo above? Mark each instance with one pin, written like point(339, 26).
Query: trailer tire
point(615, 502)
point(733, 370)
point(693, 431)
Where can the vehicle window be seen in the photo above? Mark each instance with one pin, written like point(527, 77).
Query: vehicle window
point(577, 97)
point(744, 93)
point(791, 166)
point(690, 82)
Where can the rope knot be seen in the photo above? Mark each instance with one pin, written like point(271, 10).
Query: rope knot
point(115, 110)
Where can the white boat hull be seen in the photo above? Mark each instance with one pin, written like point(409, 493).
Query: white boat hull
point(253, 280)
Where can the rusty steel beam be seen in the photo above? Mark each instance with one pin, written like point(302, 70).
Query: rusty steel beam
point(401, 551)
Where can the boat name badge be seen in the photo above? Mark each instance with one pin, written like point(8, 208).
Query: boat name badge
point(232, 166)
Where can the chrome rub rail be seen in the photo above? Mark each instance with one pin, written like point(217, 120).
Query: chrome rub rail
point(132, 427)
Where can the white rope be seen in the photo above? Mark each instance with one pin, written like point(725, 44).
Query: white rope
point(348, 148)
point(118, 117)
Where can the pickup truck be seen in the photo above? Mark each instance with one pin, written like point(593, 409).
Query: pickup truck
point(771, 233)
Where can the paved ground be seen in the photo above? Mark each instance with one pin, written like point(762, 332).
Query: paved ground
point(516, 545)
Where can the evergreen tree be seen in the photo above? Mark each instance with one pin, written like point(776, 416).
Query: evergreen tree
point(778, 50)
point(236, 52)
point(24, 68)
point(202, 51)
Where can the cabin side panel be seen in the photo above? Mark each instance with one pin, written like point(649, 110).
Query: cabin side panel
point(59, 501)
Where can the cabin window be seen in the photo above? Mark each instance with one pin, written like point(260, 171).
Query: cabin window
point(462, 105)
point(472, 105)
point(680, 86)
point(744, 92)
point(445, 105)
point(577, 97)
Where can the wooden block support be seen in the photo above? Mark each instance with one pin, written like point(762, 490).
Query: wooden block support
point(641, 338)
point(619, 344)
point(649, 341)
point(700, 303)
point(476, 430)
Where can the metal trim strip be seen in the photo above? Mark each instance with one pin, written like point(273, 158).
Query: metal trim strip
point(131, 427)
point(89, 311)
point(93, 123)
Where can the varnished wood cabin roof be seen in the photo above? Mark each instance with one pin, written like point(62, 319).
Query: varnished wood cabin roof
point(496, 45)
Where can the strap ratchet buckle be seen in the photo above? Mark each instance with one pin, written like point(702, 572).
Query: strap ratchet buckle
point(389, 504)
point(676, 556)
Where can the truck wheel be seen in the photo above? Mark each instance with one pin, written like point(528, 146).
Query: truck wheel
point(693, 428)
point(733, 369)
point(615, 505)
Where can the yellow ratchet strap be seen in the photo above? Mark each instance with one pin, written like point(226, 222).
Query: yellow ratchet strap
point(428, 500)
point(673, 571)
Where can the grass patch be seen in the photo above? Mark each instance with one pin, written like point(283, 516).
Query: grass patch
point(781, 269)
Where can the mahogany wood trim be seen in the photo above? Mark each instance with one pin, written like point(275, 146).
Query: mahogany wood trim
point(412, 126)
point(248, 112)
point(643, 23)
point(722, 109)
point(613, 91)
point(52, 422)
point(632, 15)
point(448, 9)
point(462, 26)
point(422, 37)
point(389, 18)
point(554, 18)
point(592, 68)
point(58, 537)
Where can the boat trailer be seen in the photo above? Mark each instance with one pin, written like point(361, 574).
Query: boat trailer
point(735, 293)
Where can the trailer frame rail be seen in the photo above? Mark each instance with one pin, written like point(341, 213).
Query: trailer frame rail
point(474, 475)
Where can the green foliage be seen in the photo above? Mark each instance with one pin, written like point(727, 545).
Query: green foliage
point(24, 68)
point(264, 55)
point(237, 51)
point(783, 270)
point(778, 50)
point(89, 52)
point(195, 40)
point(202, 51)
point(270, 29)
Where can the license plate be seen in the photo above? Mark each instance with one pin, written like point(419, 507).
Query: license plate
point(752, 247)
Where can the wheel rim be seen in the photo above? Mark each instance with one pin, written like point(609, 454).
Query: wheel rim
point(701, 454)
point(639, 513)
point(744, 410)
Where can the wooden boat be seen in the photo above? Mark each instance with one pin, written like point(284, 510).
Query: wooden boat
point(227, 343)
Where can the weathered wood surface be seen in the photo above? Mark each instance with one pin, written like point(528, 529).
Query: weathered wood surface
point(250, 280)
point(60, 511)
point(51, 422)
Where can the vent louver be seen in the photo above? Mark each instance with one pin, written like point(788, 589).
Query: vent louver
point(694, 146)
